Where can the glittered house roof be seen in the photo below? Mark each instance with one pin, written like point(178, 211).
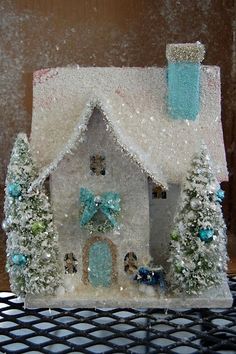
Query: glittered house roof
point(133, 103)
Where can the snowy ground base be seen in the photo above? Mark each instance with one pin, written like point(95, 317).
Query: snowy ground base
point(131, 296)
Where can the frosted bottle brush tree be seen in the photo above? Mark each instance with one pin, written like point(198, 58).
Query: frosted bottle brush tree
point(198, 243)
point(32, 252)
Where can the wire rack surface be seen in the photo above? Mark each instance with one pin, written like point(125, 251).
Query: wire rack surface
point(183, 331)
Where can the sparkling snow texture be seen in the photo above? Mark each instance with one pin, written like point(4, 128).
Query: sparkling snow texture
point(134, 102)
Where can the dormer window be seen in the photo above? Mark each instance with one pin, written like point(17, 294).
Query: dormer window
point(158, 192)
point(98, 165)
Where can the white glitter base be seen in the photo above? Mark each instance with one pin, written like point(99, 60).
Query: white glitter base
point(216, 297)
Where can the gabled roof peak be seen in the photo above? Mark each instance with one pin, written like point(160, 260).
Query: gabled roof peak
point(77, 135)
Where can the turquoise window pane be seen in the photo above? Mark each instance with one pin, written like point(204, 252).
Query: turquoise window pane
point(183, 90)
point(100, 264)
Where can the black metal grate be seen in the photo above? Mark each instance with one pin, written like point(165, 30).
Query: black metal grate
point(116, 330)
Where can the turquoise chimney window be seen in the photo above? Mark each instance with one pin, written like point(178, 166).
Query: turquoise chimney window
point(183, 77)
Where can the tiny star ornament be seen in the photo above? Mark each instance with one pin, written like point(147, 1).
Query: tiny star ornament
point(195, 204)
point(14, 190)
point(206, 235)
point(19, 259)
point(38, 227)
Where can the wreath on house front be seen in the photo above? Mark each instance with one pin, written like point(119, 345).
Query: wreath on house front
point(98, 213)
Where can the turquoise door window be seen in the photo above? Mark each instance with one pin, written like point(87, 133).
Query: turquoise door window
point(100, 264)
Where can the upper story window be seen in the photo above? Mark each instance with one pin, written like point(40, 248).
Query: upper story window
point(98, 165)
point(158, 192)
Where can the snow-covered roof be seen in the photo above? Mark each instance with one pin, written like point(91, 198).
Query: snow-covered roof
point(133, 101)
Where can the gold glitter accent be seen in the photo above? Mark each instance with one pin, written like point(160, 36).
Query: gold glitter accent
point(190, 52)
point(86, 248)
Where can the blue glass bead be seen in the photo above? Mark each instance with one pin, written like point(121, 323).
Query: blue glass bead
point(14, 190)
point(220, 194)
point(19, 259)
point(206, 235)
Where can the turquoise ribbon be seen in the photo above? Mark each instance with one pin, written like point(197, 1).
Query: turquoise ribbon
point(108, 203)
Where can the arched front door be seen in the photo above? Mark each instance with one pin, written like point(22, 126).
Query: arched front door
point(99, 262)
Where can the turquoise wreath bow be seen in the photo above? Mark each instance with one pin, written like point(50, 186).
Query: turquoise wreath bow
point(108, 203)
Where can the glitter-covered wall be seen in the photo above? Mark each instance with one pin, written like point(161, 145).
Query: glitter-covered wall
point(162, 213)
point(122, 176)
point(40, 34)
